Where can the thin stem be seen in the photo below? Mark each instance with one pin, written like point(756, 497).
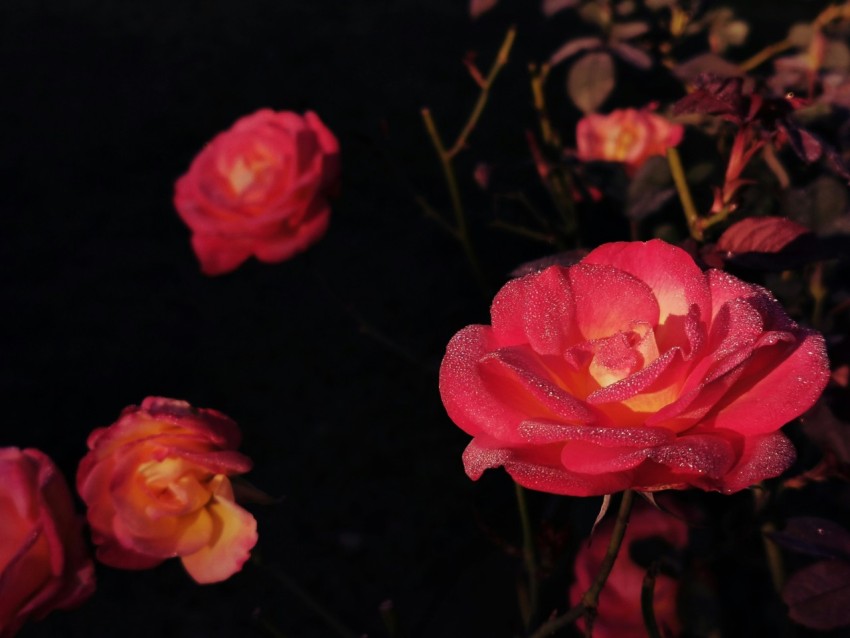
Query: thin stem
point(765, 54)
point(331, 621)
point(522, 231)
point(774, 557)
point(691, 215)
point(647, 593)
point(818, 292)
point(527, 550)
point(590, 599)
point(461, 226)
point(538, 80)
point(500, 61)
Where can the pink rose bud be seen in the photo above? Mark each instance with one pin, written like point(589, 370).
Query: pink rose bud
point(619, 610)
point(625, 135)
point(632, 369)
point(259, 189)
point(156, 486)
point(44, 563)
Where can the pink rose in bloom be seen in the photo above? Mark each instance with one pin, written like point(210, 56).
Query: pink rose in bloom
point(619, 607)
point(625, 135)
point(44, 564)
point(632, 369)
point(259, 189)
point(156, 485)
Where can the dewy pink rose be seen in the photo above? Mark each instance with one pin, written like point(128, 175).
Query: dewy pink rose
point(629, 136)
point(259, 189)
point(156, 483)
point(44, 564)
point(632, 369)
point(619, 610)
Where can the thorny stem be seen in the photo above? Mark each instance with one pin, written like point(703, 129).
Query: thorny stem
point(527, 550)
point(647, 593)
point(500, 61)
point(538, 79)
point(461, 228)
point(691, 215)
point(832, 12)
point(331, 621)
point(765, 54)
point(555, 178)
point(590, 599)
point(446, 155)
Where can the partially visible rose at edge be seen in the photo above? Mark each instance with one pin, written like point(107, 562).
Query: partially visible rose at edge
point(632, 369)
point(156, 483)
point(44, 563)
point(629, 136)
point(259, 189)
point(619, 609)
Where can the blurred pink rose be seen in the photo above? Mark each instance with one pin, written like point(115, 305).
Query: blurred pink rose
point(629, 136)
point(619, 607)
point(156, 485)
point(44, 564)
point(632, 369)
point(260, 188)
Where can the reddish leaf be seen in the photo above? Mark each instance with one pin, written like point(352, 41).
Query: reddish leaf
point(814, 536)
point(479, 7)
point(551, 7)
point(706, 63)
point(827, 431)
point(760, 235)
point(628, 30)
point(570, 48)
point(817, 595)
point(715, 96)
point(632, 55)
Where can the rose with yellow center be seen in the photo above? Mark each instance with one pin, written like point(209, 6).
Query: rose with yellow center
point(157, 486)
point(632, 369)
point(628, 136)
point(259, 189)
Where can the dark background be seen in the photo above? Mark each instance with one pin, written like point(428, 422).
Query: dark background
point(329, 361)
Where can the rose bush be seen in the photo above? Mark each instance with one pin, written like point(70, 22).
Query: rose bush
point(260, 188)
point(619, 608)
point(630, 136)
point(44, 564)
point(632, 369)
point(156, 485)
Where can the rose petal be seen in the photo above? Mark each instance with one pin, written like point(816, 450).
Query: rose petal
point(634, 300)
point(234, 534)
point(537, 309)
point(671, 274)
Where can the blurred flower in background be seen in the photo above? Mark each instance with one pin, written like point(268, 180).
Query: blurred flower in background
point(259, 189)
point(44, 563)
point(619, 607)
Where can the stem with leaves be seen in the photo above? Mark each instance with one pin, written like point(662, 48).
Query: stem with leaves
point(589, 601)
